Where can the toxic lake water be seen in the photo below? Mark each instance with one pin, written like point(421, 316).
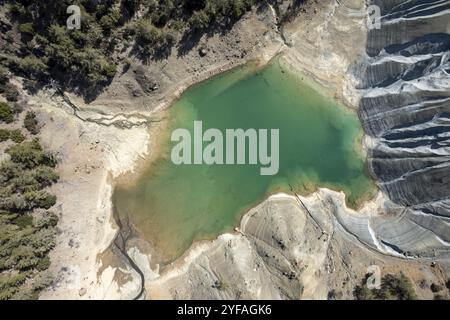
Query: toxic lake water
point(173, 205)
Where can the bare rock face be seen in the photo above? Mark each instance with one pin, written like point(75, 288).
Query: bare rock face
point(406, 112)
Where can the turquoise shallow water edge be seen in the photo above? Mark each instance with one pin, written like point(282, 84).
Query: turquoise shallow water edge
point(171, 206)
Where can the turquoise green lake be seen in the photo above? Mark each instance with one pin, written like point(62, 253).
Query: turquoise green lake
point(173, 205)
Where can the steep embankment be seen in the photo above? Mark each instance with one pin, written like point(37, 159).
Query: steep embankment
point(405, 110)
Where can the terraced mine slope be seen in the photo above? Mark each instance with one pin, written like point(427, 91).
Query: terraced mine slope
point(406, 112)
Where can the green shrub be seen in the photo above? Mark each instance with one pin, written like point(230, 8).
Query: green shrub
point(23, 221)
point(9, 170)
point(4, 135)
point(400, 286)
point(30, 123)
point(43, 264)
point(3, 75)
point(23, 182)
point(7, 293)
point(146, 32)
point(177, 25)
point(42, 240)
point(32, 66)
point(6, 114)
point(45, 176)
point(17, 9)
point(24, 258)
point(49, 219)
point(32, 180)
point(26, 238)
point(42, 281)
point(25, 241)
point(26, 28)
point(25, 294)
point(9, 284)
point(14, 202)
point(435, 287)
point(240, 7)
point(392, 288)
point(39, 199)
point(363, 293)
point(17, 108)
point(30, 154)
point(27, 201)
point(109, 21)
point(9, 91)
point(199, 20)
point(108, 69)
point(17, 136)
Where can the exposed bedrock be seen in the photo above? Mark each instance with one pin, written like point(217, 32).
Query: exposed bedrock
point(405, 110)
